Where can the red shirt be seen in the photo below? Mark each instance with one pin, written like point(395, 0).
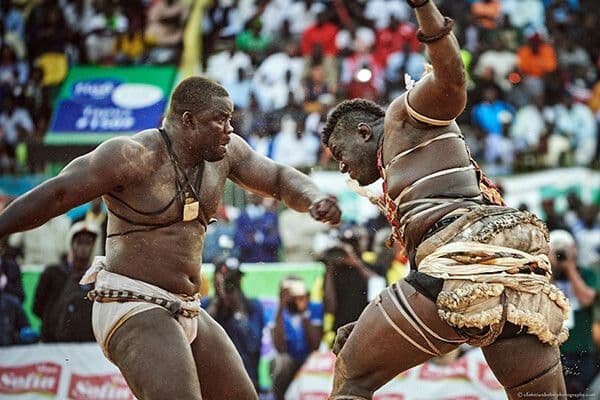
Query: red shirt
point(389, 41)
point(323, 35)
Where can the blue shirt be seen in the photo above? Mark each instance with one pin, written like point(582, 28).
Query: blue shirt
point(246, 334)
point(487, 116)
point(295, 338)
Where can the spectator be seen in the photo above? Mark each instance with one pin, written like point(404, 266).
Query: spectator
point(349, 284)
point(219, 235)
point(239, 89)
point(296, 333)
point(256, 235)
point(486, 13)
point(293, 146)
point(383, 12)
point(528, 126)
point(59, 299)
point(166, 21)
point(12, 273)
point(580, 285)
point(225, 65)
point(242, 318)
point(277, 76)
point(130, 45)
point(536, 58)
point(525, 13)
point(16, 124)
point(12, 71)
point(490, 116)
point(297, 234)
point(587, 232)
point(322, 33)
point(553, 219)
point(501, 61)
point(12, 317)
point(97, 215)
point(43, 245)
point(251, 40)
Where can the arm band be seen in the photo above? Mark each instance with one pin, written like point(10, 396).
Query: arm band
point(445, 31)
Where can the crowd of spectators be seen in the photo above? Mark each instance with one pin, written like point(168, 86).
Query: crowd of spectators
point(534, 98)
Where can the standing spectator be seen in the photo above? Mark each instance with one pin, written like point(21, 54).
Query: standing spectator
point(242, 318)
point(12, 317)
point(587, 233)
point(580, 285)
point(43, 245)
point(296, 333)
point(16, 124)
point(59, 299)
point(257, 235)
point(349, 284)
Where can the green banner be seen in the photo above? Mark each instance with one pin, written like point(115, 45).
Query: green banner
point(97, 103)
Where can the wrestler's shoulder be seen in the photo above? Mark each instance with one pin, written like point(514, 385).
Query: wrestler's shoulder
point(139, 149)
point(237, 147)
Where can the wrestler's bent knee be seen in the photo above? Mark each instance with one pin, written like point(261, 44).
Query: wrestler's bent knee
point(345, 385)
point(548, 385)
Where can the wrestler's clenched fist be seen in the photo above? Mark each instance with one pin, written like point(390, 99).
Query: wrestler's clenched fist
point(326, 210)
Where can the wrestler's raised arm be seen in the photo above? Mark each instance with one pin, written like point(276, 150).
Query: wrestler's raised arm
point(265, 177)
point(111, 164)
point(440, 95)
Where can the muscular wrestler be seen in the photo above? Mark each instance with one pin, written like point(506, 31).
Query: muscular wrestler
point(162, 187)
point(479, 270)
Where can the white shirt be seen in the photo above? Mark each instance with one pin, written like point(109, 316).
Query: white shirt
point(223, 67)
point(270, 83)
point(9, 123)
point(527, 127)
point(290, 150)
point(501, 62)
point(380, 11)
point(524, 12)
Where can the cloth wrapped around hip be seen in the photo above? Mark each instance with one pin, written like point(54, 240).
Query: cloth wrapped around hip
point(495, 268)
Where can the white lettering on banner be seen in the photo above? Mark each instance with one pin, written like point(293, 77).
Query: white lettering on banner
point(40, 378)
point(99, 387)
point(105, 118)
point(94, 90)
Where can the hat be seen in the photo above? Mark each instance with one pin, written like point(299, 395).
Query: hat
point(295, 285)
point(82, 227)
point(561, 239)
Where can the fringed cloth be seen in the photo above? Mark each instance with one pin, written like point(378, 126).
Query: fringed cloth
point(487, 283)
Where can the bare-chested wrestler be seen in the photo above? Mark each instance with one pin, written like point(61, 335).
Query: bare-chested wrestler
point(162, 187)
point(479, 270)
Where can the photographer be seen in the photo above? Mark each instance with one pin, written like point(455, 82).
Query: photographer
point(579, 285)
point(242, 318)
point(297, 332)
point(349, 283)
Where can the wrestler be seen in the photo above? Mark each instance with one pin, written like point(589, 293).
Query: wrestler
point(162, 186)
point(479, 270)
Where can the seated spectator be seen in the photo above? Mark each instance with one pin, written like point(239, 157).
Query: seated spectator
point(166, 22)
point(580, 285)
point(277, 76)
point(242, 318)
point(486, 13)
point(501, 61)
point(257, 236)
point(525, 13)
point(15, 124)
point(12, 71)
point(576, 122)
point(293, 146)
point(362, 67)
point(394, 38)
point(587, 232)
point(240, 88)
point(59, 299)
point(296, 333)
point(315, 85)
point(491, 116)
point(251, 40)
point(536, 58)
point(96, 214)
point(13, 320)
point(219, 235)
point(12, 18)
point(528, 125)
point(354, 37)
point(14, 283)
point(383, 12)
point(130, 45)
point(322, 33)
point(224, 66)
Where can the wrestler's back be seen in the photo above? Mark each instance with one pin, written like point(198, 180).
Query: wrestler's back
point(168, 257)
point(399, 136)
